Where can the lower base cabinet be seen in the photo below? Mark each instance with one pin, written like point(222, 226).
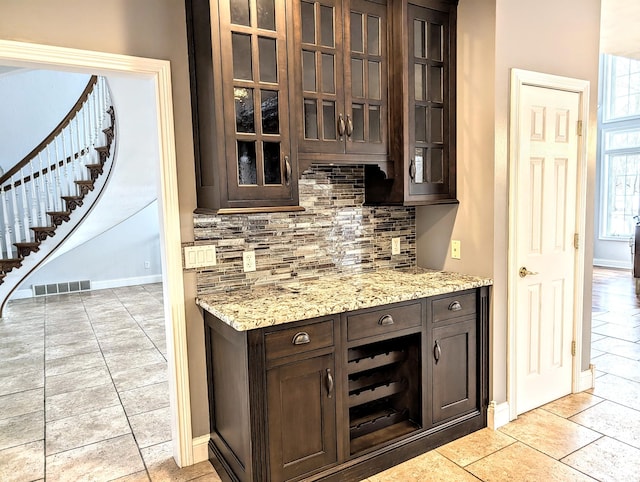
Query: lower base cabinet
point(344, 397)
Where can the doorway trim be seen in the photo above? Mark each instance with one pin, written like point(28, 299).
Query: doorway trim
point(40, 56)
point(520, 78)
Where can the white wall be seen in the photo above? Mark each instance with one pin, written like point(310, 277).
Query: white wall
point(32, 103)
point(131, 243)
point(495, 36)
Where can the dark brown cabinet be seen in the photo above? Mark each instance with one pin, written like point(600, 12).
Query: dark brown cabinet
point(240, 100)
point(343, 397)
point(341, 79)
point(423, 107)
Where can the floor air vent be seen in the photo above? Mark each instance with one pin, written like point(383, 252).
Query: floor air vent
point(60, 288)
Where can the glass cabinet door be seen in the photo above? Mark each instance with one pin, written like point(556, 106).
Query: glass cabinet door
point(429, 107)
point(366, 67)
point(342, 57)
point(255, 85)
point(323, 123)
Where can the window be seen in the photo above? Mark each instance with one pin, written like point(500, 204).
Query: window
point(620, 147)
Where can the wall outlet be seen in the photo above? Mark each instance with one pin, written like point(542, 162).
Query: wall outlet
point(199, 256)
point(455, 249)
point(395, 246)
point(249, 261)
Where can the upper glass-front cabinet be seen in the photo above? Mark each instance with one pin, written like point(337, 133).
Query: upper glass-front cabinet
point(342, 76)
point(431, 170)
point(240, 90)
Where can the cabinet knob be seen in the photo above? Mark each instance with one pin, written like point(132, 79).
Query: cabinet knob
point(437, 352)
point(301, 338)
point(349, 126)
point(412, 170)
point(385, 320)
point(455, 306)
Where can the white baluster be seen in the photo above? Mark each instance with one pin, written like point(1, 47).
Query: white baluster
point(58, 181)
point(50, 188)
point(25, 208)
point(7, 227)
point(35, 193)
point(16, 210)
point(42, 193)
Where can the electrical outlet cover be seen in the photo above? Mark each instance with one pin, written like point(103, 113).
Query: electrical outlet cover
point(249, 261)
point(395, 246)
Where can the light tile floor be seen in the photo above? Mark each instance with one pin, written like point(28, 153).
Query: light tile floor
point(84, 392)
point(83, 396)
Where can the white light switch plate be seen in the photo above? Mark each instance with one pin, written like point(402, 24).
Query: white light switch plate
point(395, 246)
point(455, 249)
point(199, 256)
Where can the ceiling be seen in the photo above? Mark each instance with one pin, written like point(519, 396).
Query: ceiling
point(619, 32)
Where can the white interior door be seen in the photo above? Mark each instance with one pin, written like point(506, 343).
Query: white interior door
point(545, 218)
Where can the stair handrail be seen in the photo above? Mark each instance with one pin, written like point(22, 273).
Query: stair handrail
point(40, 191)
point(54, 133)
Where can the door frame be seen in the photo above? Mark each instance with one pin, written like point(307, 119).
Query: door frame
point(519, 79)
point(40, 56)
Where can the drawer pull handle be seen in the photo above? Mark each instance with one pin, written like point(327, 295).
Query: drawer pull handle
point(437, 352)
point(329, 383)
point(455, 306)
point(386, 320)
point(301, 338)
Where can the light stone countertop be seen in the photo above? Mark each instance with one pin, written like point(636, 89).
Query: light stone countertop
point(276, 304)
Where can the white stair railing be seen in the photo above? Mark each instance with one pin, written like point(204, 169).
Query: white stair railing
point(36, 185)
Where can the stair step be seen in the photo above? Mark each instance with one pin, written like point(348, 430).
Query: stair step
point(85, 186)
point(94, 170)
point(25, 249)
point(73, 202)
point(103, 151)
point(59, 217)
point(108, 132)
point(42, 232)
point(6, 265)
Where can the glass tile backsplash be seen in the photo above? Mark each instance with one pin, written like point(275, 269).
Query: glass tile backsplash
point(335, 235)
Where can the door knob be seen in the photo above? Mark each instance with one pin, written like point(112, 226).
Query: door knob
point(524, 272)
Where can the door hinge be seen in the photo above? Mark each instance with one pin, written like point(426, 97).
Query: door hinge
point(573, 348)
point(579, 128)
point(576, 240)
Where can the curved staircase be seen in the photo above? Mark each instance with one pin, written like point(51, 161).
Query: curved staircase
point(46, 195)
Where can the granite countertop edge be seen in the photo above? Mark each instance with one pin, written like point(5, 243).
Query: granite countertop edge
point(272, 305)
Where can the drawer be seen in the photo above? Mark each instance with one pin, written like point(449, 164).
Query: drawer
point(453, 306)
point(383, 320)
point(298, 339)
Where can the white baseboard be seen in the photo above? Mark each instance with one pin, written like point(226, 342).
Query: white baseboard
point(100, 285)
point(587, 379)
point(498, 415)
point(119, 283)
point(612, 263)
point(201, 448)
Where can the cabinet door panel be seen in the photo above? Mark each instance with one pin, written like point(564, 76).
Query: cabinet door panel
point(366, 67)
point(455, 391)
point(301, 417)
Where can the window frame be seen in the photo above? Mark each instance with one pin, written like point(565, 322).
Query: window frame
point(608, 125)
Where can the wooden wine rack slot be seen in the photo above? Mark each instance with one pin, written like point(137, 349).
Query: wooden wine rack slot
point(375, 361)
point(381, 436)
point(360, 381)
point(376, 420)
point(375, 393)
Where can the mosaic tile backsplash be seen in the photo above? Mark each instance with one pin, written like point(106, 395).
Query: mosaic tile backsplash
point(335, 235)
